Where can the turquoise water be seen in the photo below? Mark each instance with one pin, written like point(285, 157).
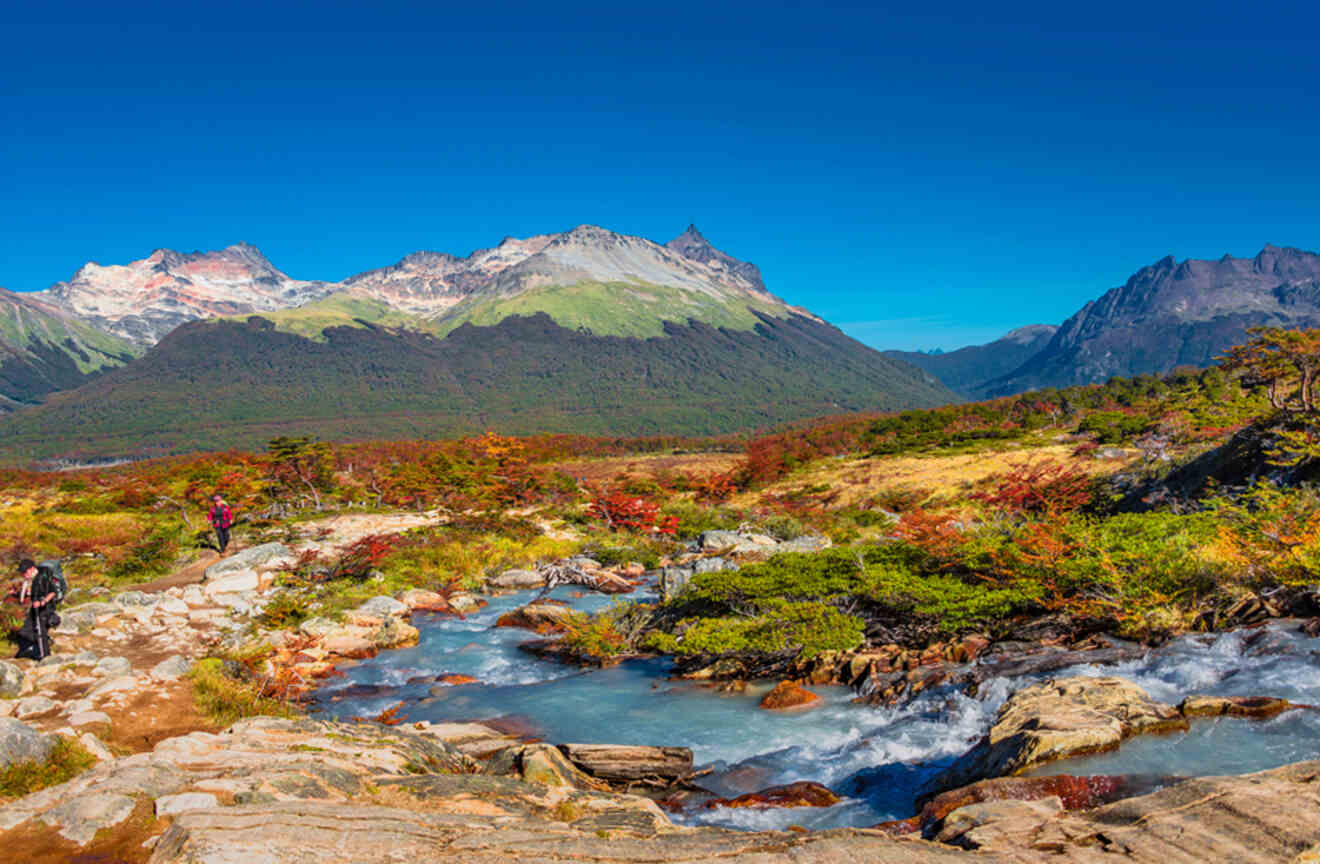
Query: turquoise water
point(879, 759)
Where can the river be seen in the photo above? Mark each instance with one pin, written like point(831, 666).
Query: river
point(878, 759)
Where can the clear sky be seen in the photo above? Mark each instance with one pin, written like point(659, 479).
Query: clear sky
point(921, 178)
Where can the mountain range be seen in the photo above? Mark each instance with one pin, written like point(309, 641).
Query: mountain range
point(583, 331)
point(1168, 314)
point(587, 330)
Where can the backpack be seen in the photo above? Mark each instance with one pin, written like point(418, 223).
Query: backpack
point(54, 571)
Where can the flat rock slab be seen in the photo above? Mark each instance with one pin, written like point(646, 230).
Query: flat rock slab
point(1059, 719)
point(249, 559)
point(364, 834)
point(81, 817)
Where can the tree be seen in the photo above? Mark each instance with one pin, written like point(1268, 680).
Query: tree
point(302, 460)
point(1273, 357)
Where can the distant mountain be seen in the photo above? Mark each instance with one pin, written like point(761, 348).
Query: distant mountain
point(43, 349)
point(968, 370)
point(143, 300)
point(585, 331)
point(1171, 314)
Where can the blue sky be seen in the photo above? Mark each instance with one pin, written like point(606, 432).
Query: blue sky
point(923, 178)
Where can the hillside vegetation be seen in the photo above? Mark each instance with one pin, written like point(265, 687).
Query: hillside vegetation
point(222, 384)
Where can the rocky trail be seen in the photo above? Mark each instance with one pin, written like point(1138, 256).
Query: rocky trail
point(168, 787)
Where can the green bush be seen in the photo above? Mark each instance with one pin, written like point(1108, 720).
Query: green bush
point(224, 699)
point(694, 518)
point(808, 628)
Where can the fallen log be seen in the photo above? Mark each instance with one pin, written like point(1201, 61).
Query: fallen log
point(622, 763)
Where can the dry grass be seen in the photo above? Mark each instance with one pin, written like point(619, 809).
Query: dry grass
point(938, 479)
point(596, 471)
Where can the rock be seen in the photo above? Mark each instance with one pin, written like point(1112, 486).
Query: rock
point(516, 580)
point(93, 745)
point(19, 742)
point(1269, 816)
point(253, 558)
point(172, 606)
point(382, 607)
point(111, 667)
point(349, 645)
point(622, 763)
point(318, 627)
point(34, 706)
point(715, 564)
point(424, 601)
point(543, 764)
point(232, 582)
point(11, 680)
point(81, 817)
point(395, 633)
point(193, 596)
point(113, 685)
point(463, 602)
point(170, 805)
point(129, 600)
point(1059, 719)
point(88, 718)
point(807, 543)
point(77, 619)
point(171, 668)
point(583, 562)
point(738, 544)
point(967, 826)
point(1239, 706)
point(542, 618)
point(1073, 793)
point(789, 695)
point(674, 581)
point(800, 794)
point(456, 680)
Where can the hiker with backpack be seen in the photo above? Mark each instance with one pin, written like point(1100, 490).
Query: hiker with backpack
point(221, 519)
point(41, 592)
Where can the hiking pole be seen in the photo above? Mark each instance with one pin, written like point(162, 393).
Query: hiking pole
point(41, 637)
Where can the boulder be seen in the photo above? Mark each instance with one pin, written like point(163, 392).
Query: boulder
point(395, 633)
point(714, 564)
point(1060, 719)
point(540, 617)
point(19, 742)
point(424, 601)
point(318, 628)
point(232, 582)
point(382, 607)
point(252, 558)
point(789, 695)
point(736, 543)
point(674, 581)
point(516, 580)
point(464, 603)
point(800, 794)
point(351, 645)
point(1002, 824)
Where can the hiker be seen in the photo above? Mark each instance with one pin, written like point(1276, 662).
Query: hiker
point(222, 518)
point(39, 594)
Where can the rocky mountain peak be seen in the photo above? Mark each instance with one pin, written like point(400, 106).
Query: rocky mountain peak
point(693, 245)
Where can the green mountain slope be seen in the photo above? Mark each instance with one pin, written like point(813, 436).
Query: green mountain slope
point(43, 350)
point(231, 383)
